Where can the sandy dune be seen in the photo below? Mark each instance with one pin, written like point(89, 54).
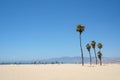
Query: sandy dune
point(60, 72)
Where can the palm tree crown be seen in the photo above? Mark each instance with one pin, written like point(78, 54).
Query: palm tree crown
point(99, 53)
point(100, 45)
point(80, 28)
point(93, 44)
point(88, 47)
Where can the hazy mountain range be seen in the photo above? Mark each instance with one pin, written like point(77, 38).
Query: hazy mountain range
point(63, 60)
point(78, 60)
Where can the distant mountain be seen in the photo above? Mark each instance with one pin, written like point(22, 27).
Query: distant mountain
point(63, 60)
point(78, 60)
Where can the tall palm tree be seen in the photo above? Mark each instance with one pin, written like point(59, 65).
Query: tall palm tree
point(100, 46)
point(93, 44)
point(80, 29)
point(88, 47)
point(100, 57)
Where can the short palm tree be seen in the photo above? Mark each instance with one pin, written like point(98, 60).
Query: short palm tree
point(100, 46)
point(88, 47)
point(80, 29)
point(100, 57)
point(93, 44)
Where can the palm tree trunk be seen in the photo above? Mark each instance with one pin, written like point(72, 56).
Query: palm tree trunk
point(81, 51)
point(100, 62)
point(95, 55)
point(90, 59)
point(100, 59)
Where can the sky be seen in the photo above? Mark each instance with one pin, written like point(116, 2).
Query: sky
point(40, 29)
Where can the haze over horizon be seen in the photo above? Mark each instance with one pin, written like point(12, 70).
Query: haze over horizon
point(33, 29)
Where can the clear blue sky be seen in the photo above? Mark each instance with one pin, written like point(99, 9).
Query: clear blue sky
point(38, 29)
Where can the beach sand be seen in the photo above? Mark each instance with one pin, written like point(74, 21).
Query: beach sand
point(60, 72)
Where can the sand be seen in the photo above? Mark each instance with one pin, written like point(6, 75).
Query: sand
point(60, 72)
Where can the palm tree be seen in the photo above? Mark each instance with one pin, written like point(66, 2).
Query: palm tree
point(100, 57)
point(88, 48)
point(93, 44)
point(80, 29)
point(100, 46)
